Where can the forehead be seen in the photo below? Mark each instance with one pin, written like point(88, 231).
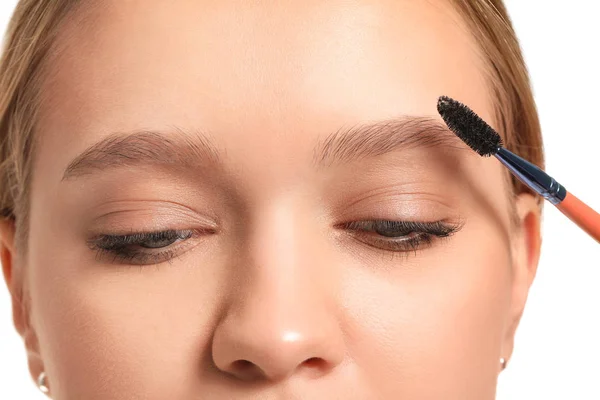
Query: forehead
point(253, 70)
point(159, 56)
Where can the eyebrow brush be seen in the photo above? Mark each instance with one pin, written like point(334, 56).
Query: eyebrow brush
point(483, 139)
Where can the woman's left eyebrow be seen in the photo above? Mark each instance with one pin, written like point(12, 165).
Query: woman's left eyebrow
point(194, 149)
point(382, 137)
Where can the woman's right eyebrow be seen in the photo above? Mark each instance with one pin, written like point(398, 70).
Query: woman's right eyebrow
point(195, 149)
point(144, 147)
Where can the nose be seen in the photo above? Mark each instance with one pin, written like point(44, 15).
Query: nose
point(281, 320)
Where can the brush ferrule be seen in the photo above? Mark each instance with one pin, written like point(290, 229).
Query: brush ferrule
point(532, 176)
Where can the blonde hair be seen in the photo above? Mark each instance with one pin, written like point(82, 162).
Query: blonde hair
point(35, 24)
point(515, 109)
point(29, 37)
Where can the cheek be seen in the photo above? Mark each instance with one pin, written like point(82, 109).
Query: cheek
point(438, 316)
point(105, 332)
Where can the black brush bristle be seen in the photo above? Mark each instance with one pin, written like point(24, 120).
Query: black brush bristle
point(469, 127)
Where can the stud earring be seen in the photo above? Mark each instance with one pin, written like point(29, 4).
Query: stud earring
point(503, 362)
point(42, 383)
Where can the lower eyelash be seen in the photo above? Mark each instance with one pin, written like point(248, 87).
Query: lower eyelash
point(140, 257)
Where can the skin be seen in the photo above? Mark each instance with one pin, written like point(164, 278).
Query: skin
point(280, 302)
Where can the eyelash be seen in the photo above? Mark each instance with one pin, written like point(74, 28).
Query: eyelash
point(120, 246)
point(406, 236)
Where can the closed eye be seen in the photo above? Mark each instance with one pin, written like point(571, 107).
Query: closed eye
point(400, 236)
point(143, 248)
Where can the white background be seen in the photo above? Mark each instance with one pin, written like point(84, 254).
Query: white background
point(558, 343)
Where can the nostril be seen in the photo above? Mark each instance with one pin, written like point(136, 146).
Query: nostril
point(313, 362)
point(314, 366)
point(246, 370)
point(242, 365)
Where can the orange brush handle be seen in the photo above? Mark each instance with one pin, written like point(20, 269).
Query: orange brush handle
point(581, 214)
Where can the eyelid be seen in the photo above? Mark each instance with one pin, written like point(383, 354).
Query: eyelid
point(118, 216)
point(395, 202)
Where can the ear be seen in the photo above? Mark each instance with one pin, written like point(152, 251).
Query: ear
point(14, 278)
point(526, 244)
point(13, 282)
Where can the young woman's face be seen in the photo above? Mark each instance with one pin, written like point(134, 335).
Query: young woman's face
point(275, 139)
